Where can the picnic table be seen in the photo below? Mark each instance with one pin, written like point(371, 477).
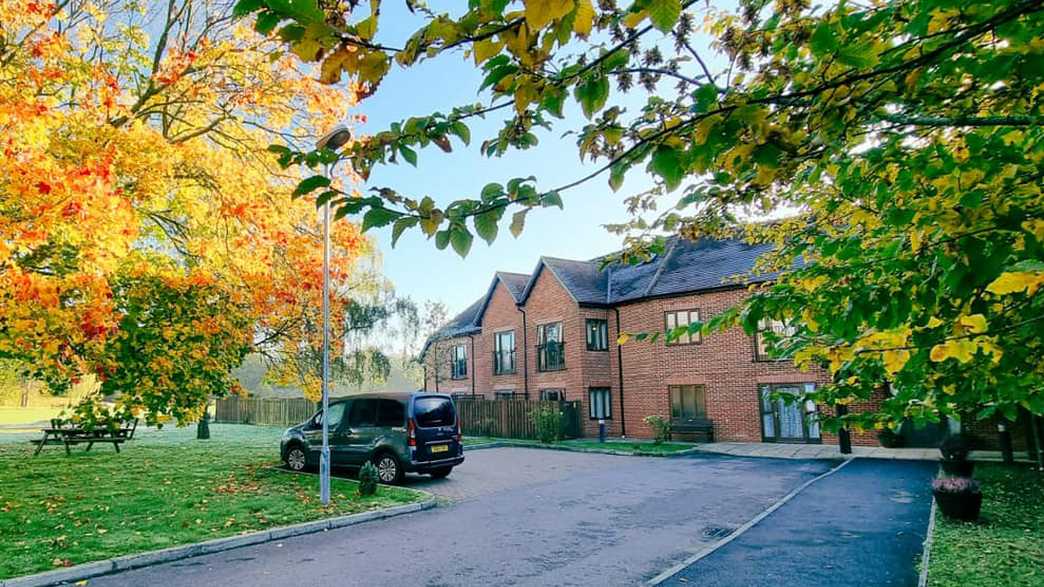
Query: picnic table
point(69, 435)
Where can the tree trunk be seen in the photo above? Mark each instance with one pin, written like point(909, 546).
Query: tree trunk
point(203, 426)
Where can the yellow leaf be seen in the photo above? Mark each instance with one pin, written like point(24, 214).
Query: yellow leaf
point(934, 322)
point(483, 50)
point(623, 338)
point(584, 19)
point(633, 19)
point(895, 360)
point(975, 322)
point(541, 12)
point(1016, 282)
point(961, 349)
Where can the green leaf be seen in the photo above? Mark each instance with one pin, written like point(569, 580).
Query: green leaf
point(461, 130)
point(706, 96)
point(487, 224)
point(408, 154)
point(617, 173)
point(666, 162)
point(303, 11)
point(325, 197)
point(664, 13)
point(378, 217)
point(592, 94)
point(551, 199)
point(442, 239)
point(518, 222)
point(401, 225)
point(461, 239)
point(245, 7)
point(823, 41)
point(311, 184)
point(492, 190)
point(266, 22)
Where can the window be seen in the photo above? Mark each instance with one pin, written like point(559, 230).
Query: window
point(363, 413)
point(550, 348)
point(780, 329)
point(598, 403)
point(391, 413)
point(552, 395)
point(688, 402)
point(459, 396)
point(676, 318)
point(785, 415)
point(459, 362)
point(431, 411)
point(507, 394)
point(504, 352)
point(336, 415)
point(597, 335)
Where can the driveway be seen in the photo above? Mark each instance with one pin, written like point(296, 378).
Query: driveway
point(519, 517)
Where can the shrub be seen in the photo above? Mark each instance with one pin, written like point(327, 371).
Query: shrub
point(368, 479)
point(661, 428)
point(956, 447)
point(548, 423)
point(956, 485)
point(889, 438)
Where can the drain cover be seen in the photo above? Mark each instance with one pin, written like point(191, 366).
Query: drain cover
point(717, 532)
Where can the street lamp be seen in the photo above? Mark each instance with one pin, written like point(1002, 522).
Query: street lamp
point(333, 141)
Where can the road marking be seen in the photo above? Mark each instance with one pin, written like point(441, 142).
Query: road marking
point(710, 548)
point(926, 554)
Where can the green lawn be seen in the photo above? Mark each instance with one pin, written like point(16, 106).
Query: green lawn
point(164, 489)
point(1006, 547)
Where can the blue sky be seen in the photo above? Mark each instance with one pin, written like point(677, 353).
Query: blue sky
point(415, 266)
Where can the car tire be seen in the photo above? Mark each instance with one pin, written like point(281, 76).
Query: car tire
point(389, 469)
point(296, 458)
point(441, 472)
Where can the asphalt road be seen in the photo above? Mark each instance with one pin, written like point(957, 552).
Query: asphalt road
point(862, 526)
point(519, 516)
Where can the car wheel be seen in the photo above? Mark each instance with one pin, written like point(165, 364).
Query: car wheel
point(389, 471)
point(441, 472)
point(296, 459)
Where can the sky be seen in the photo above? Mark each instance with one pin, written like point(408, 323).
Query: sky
point(415, 266)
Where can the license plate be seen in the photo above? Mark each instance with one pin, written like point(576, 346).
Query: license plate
point(440, 448)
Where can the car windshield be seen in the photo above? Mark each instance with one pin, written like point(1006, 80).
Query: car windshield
point(431, 411)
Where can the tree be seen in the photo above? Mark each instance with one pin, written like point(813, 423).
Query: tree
point(136, 181)
point(906, 134)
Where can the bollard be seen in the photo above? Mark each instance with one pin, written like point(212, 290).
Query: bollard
point(601, 430)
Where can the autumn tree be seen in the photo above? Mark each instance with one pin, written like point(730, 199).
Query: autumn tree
point(147, 237)
point(906, 134)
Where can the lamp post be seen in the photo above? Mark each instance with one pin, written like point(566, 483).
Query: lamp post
point(333, 141)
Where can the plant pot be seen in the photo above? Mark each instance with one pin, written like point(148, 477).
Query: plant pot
point(959, 506)
point(957, 468)
point(889, 439)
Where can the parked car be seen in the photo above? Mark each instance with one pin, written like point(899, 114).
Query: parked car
point(415, 432)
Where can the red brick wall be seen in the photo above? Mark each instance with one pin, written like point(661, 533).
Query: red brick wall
point(437, 367)
point(501, 315)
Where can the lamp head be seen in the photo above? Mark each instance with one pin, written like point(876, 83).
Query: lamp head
point(335, 139)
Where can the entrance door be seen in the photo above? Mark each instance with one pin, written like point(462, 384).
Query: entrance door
point(787, 421)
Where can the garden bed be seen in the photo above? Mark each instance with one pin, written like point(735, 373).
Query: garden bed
point(1006, 546)
point(164, 489)
point(629, 447)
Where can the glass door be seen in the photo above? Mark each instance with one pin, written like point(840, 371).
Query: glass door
point(787, 421)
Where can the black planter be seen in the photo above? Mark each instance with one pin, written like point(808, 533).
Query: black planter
point(889, 439)
point(959, 506)
point(957, 468)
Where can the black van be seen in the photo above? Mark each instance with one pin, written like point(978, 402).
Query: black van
point(397, 432)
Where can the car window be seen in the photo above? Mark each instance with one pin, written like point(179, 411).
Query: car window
point(390, 413)
point(336, 415)
point(430, 411)
point(363, 413)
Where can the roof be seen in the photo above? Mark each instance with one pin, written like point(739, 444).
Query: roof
point(684, 267)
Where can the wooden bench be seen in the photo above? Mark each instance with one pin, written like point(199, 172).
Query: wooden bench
point(692, 430)
point(73, 435)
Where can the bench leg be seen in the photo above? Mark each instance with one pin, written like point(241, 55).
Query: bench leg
point(116, 445)
point(39, 447)
point(68, 452)
point(89, 445)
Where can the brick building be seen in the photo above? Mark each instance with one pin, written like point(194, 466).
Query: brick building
point(552, 335)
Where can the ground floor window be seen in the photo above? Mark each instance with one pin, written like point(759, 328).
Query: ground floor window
point(457, 396)
point(688, 402)
point(508, 394)
point(552, 395)
point(784, 416)
point(598, 403)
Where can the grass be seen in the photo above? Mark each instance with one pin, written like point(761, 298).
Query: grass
point(164, 489)
point(473, 440)
point(1006, 546)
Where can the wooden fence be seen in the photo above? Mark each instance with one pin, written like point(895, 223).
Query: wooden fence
point(507, 418)
point(263, 412)
point(511, 418)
